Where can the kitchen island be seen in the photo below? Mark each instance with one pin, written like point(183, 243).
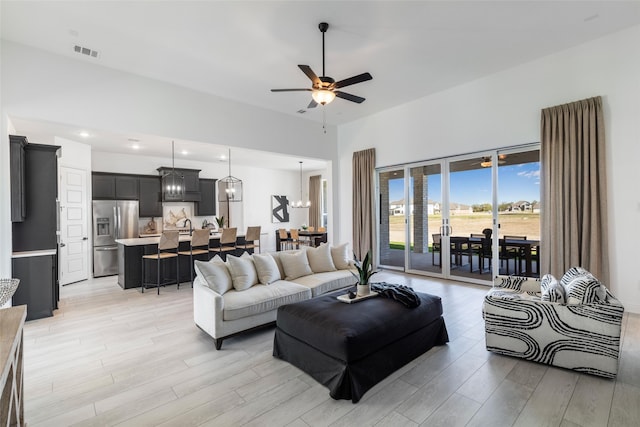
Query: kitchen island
point(130, 252)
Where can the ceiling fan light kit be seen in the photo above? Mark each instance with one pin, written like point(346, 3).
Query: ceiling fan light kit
point(323, 88)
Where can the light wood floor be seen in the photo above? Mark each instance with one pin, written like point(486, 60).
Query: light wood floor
point(114, 357)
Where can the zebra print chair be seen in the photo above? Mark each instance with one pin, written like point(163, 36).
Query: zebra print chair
point(573, 324)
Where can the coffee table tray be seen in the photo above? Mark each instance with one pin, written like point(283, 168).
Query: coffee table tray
point(345, 297)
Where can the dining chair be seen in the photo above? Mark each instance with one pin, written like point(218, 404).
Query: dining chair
point(199, 246)
point(322, 229)
point(436, 247)
point(167, 249)
point(285, 240)
point(311, 228)
point(251, 239)
point(227, 242)
point(514, 252)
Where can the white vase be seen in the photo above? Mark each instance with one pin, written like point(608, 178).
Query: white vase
point(363, 290)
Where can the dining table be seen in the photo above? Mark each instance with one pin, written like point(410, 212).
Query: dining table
point(463, 245)
point(316, 237)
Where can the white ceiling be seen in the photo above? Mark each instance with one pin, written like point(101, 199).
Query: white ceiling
point(240, 49)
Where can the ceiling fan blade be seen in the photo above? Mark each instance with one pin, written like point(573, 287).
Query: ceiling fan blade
point(349, 97)
point(291, 90)
point(353, 80)
point(312, 104)
point(312, 76)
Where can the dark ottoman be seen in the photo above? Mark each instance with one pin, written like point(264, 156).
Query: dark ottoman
point(351, 347)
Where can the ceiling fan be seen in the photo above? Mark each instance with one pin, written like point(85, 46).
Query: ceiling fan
point(323, 88)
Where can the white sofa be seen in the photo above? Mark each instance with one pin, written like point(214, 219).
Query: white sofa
point(573, 323)
point(230, 298)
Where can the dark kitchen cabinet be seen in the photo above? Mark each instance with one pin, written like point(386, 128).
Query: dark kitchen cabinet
point(103, 186)
point(207, 204)
point(17, 176)
point(113, 186)
point(126, 187)
point(38, 229)
point(150, 196)
point(38, 284)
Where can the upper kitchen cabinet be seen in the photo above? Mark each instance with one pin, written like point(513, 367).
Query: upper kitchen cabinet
point(110, 186)
point(191, 184)
point(17, 176)
point(150, 196)
point(38, 230)
point(207, 204)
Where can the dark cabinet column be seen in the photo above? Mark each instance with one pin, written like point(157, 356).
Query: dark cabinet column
point(126, 187)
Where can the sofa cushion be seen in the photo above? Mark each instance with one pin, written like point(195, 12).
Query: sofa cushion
point(321, 283)
point(261, 299)
point(320, 259)
point(243, 272)
point(552, 290)
point(340, 256)
point(295, 264)
point(581, 287)
point(215, 274)
point(266, 268)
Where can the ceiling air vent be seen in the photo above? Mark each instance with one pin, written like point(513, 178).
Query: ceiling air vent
point(85, 51)
point(301, 111)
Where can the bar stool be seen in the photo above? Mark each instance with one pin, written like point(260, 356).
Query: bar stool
point(295, 238)
point(227, 242)
point(285, 240)
point(250, 239)
point(168, 243)
point(199, 246)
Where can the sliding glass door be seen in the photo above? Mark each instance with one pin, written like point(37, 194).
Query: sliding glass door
point(392, 225)
point(464, 217)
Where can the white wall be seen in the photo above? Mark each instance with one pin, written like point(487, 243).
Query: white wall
point(504, 110)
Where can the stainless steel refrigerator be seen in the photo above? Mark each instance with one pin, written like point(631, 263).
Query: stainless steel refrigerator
point(112, 219)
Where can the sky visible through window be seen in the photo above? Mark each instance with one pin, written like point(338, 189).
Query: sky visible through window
point(515, 183)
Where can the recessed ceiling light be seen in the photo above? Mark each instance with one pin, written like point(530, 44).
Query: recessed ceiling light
point(84, 134)
point(135, 146)
point(222, 158)
point(185, 152)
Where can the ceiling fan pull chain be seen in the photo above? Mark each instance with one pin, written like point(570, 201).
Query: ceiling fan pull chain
point(324, 119)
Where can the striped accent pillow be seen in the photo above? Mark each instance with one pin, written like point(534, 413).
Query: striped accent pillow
point(552, 291)
point(581, 287)
point(509, 282)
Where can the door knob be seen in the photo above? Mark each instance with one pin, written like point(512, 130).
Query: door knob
point(62, 245)
point(84, 238)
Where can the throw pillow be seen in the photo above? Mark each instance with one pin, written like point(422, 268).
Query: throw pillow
point(295, 264)
point(552, 290)
point(320, 259)
point(581, 287)
point(216, 274)
point(243, 272)
point(340, 256)
point(266, 268)
point(509, 282)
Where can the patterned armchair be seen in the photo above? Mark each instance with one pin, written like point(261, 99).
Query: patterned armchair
point(573, 324)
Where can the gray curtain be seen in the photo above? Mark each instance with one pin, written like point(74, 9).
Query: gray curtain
point(574, 189)
point(363, 202)
point(315, 196)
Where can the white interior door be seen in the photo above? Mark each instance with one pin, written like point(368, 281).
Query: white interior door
point(74, 223)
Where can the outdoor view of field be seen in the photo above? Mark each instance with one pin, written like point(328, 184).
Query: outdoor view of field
point(512, 224)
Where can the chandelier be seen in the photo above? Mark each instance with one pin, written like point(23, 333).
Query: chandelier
point(299, 203)
point(172, 182)
point(230, 187)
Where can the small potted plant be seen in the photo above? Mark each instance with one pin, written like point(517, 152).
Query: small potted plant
point(365, 271)
point(220, 222)
point(304, 227)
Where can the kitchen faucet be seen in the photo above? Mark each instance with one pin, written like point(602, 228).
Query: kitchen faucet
point(190, 226)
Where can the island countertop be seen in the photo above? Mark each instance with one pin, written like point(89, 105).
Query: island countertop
point(140, 241)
